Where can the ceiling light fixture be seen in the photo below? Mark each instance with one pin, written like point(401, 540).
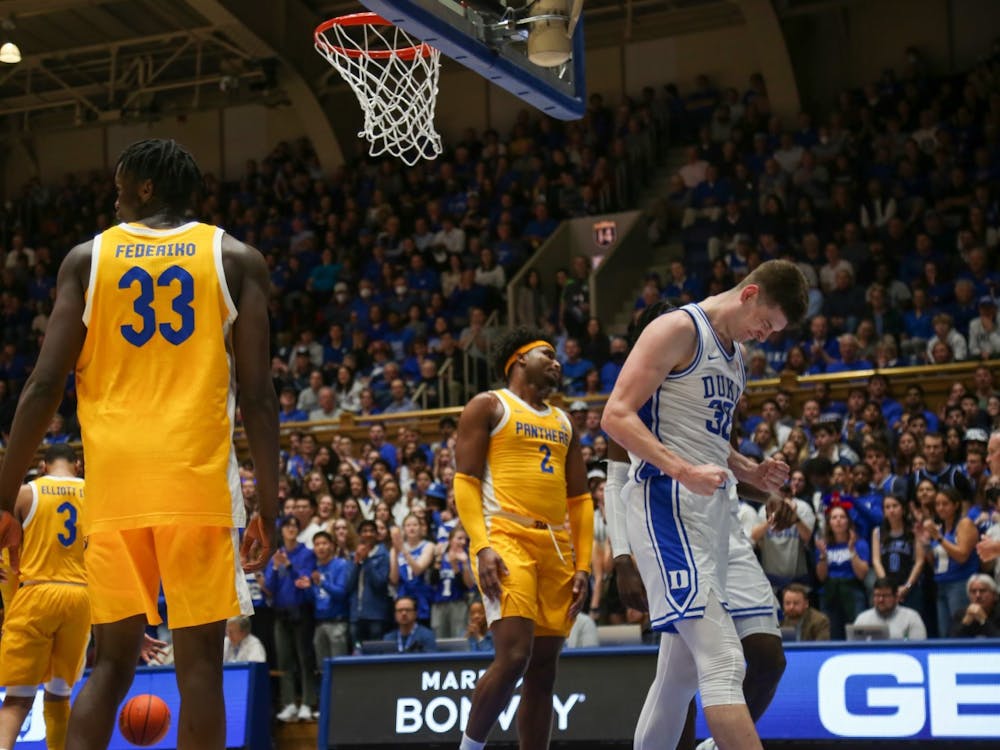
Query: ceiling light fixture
point(9, 53)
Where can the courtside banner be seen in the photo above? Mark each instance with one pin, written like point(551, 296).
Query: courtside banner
point(248, 708)
point(830, 691)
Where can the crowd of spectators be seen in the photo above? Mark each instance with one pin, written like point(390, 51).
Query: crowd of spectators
point(889, 205)
point(380, 273)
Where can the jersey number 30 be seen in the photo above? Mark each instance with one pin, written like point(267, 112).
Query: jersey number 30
point(143, 305)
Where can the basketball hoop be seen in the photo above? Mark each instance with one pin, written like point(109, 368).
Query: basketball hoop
point(395, 78)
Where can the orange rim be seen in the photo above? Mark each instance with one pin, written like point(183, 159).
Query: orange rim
point(365, 19)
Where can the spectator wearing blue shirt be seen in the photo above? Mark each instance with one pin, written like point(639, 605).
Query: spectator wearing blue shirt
point(287, 577)
point(820, 345)
point(289, 410)
point(849, 356)
point(918, 321)
point(574, 367)
point(453, 580)
point(399, 400)
point(336, 346)
point(323, 277)
point(842, 561)
point(682, 285)
point(328, 591)
point(538, 229)
point(413, 557)
point(478, 632)
point(376, 436)
point(421, 279)
point(613, 367)
point(410, 636)
point(368, 586)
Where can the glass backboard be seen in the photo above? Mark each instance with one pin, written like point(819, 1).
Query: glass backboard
point(490, 38)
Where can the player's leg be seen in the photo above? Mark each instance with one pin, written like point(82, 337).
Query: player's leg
point(512, 622)
point(663, 716)
point(69, 651)
point(202, 590)
point(25, 652)
point(718, 655)
point(56, 713)
point(512, 642)
point(117, 647)
point(534, 713)
point(124, 583)
point(198, 659)
point(554, 596)
point(16, 705)
point(765, 659)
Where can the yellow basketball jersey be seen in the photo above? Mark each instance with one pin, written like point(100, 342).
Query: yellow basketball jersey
point(155, 381)
point(53, 541)
point(526, 462)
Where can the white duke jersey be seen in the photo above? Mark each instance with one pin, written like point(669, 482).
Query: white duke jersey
point(691, 412)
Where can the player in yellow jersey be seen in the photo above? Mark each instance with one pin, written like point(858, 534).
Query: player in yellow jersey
point(162, 319)
point(48, 625)
point(520, 475)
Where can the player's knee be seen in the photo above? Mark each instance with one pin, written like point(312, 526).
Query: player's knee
point(19, 698)
point(57, 689)
point(765, 658)
point(720, 678)
point(514, 660)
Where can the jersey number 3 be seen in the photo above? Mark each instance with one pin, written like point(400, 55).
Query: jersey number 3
point(143, 305)
point(67, 538)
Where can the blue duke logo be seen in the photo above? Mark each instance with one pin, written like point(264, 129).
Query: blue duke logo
point(678, 579)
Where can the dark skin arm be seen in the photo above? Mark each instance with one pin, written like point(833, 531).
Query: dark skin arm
point(43, 391)
point(472, 443)
point(248, 280)
point(630, 588)
point(576, 484)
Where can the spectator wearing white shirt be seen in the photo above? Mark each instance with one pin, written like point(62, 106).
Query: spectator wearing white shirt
point(944, 330)
point(693, 171)
point(241, 645)
point(984, 334)
point(904, 623)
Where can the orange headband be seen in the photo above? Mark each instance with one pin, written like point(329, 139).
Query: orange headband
point(523, 350)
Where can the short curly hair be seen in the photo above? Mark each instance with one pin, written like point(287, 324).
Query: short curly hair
point(509, 342)
point(647, 316)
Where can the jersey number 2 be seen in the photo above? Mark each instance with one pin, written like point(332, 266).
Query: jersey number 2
point(143, 305)
point(66, 539)
point(546, 467)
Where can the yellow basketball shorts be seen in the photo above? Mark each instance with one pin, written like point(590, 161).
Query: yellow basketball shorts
point(539, 583)
point(198, 566)
point(45, 635)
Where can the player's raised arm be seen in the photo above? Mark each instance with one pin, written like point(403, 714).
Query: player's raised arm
point(668, 343)
point(44, 388)
point(246, 274)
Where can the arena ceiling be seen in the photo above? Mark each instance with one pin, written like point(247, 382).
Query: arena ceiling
point(87, 62)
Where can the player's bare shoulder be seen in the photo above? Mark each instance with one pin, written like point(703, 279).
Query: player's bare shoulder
point(484, 406)
point(76, 265)
point(241, 262)
point(673, 336)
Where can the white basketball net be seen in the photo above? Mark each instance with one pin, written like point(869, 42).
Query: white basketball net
point(397, 93)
